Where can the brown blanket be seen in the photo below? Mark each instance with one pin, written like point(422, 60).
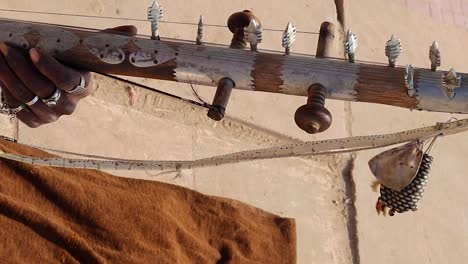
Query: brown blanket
point(86, 216)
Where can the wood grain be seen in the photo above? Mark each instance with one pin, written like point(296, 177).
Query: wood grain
point(384, 85)
point(258, 71)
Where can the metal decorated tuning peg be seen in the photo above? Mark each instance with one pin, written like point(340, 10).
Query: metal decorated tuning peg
point(200, 31)
point(314, 117)
point(289, 37)
point(221, 98)
point(434, 55)
point(392, 50)
point(253, 34)
point(155, 14)
point(351, 45)
point(451, 81)
point(409, 80)
point(236, 24)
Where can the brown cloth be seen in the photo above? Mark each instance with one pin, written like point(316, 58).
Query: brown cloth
point(86, 216)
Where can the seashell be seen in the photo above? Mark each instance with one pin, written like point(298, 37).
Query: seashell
point(397, 167)
point(408, 198)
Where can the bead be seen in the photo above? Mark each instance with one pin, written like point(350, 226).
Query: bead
point(408, 198)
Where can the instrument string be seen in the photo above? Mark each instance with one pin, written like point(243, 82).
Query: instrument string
point(136, 19)
point(165, 38)
point(200, 104)
point(303, 149)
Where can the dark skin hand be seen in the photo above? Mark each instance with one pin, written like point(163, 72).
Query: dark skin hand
point(22, 77)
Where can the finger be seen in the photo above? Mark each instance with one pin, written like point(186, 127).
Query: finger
point(127, 30)
point(26, 116)
point(66, 105)
point(35, 81)
point(18, 90)
point(26, 72)
point(9, 80)
point(62, 77)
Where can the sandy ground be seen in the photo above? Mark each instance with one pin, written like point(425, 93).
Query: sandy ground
point(316, 191)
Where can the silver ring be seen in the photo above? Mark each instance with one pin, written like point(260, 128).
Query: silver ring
point(53, 100)
point(16, 110)
point(33, 101)
point(80, 88)
point(6, 110)
point(11, 112)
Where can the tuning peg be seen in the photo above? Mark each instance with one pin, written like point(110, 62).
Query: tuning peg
point(155, 14)
point(392, 50)
point(289, 37)
point(451, 81)
point(221, 98)
point(236, 24)
point(434, 55)
point(200, 31)
point(351, 45)
point(253, 34)
point(409, 80)
point(314, 117)
point(325, 40)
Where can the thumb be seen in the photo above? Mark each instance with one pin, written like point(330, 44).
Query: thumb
point(127, 30)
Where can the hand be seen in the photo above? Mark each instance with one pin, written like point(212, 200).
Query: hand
point(23, 77)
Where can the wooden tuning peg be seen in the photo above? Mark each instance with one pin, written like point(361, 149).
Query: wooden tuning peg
point(325, 42)
point(314, 117)
point(221, 98)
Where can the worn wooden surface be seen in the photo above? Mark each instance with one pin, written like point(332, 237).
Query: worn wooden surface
point(269, 72)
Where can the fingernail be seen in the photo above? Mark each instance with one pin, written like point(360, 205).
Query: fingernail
point(34, 54)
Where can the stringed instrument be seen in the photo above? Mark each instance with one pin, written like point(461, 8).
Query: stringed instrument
point(318, 77)
point(254, 69)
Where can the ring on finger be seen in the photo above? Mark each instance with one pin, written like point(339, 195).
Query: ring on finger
point(16, 110)
point(53, 100)
point(33, 101)
point(80, 88)
point(11, 112)
point(5, 109)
